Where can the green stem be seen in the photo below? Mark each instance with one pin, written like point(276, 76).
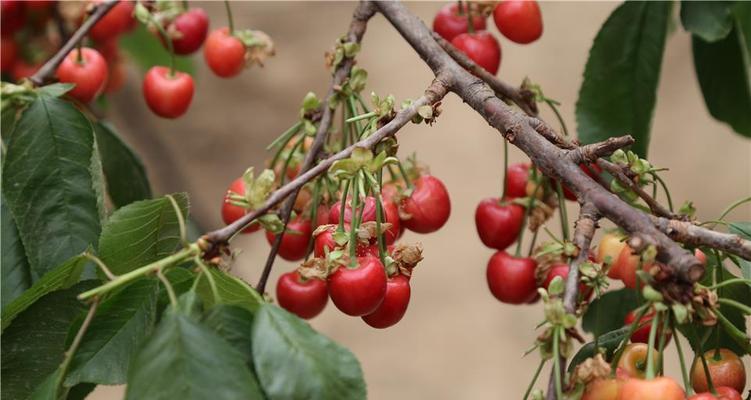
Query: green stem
point(665, 189)
point(354, 224)
point(527, 212)
point(732, 303)
point(361, 117)
point(505, 169)
point(379, 220)
point(407, 182)
point(285, 137)
point(733, 206)
point(185, 5)
point(168, 41)
point(557, 115)
point(684, 370)
point(230, 20)
point(314, 215)
point(534, 378)
point(532, 244)
point(212, 283)
point(470, 26)
point(663, 340)
point(710, 384)
point(651, 347)
point(730, 282)
point(289, 158)
point(76, 342)
point(562, 207)
point(343, 206)
point(622, 346)
point(362, 102)
point(597, 324)
point(557, 363)
point(168, 287)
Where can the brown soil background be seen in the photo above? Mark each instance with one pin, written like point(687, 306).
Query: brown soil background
point(456, 341)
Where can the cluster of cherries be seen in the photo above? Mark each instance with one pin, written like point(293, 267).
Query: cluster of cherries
point(362, 285)
point(98, 69)
point(518, 20)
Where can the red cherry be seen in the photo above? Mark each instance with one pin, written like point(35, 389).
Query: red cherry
point(498, 224)
point(368, 211)
point(322, 215)
point(449, 24)
point(482, 48)
point(323, 240)
point(167, 96)
point(660, 388)
point(367, 250)
point(429, 205)
point(700, 256)
point(89, 75)
point(723, 393)
point(641, 335)
point(727, 370)
point(394, 304)
point(519, 20)
point(116, 78)
point(12, 16)
point(192, 26)
point(305, 298)
point(517, 176)
point(391, 215)
point(591, 170)
point(562, 270)
point(23, 70)
point(39, 5)
point(8, 53)
point(224, 53)
point(358, 291)
point(231, 212)
point(512, 279)
point(115, 22)
point(295, 243)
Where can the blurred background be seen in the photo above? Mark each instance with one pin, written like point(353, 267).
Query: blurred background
point(456, 340)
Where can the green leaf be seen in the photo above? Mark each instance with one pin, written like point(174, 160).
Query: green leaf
point(608, 312)
point(190, 362)
point(618, 93)
point(16, 275)
point(56, 89)
point(147, 51)
point(741, 228)
point(62, 277)
point(8, 117)
point(724, 75)
point(48, 183)
point(230, 290)
point(234, 324)
point(608, 341)
point(33, 346)
point(122, 323)
point(710, 20)
point(314, 366)
point(49, 388)
point(141, 233)
point(126, 177)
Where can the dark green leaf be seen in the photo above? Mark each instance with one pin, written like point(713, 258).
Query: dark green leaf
point(49, 389)
point(8, 117)
point(608, 312)
point(33, 345)
point(56, 89)
point(141, 233)
point(181, 280)
point(618, 93)
point(48, 183)
point(314, 366)
point(190, 362)
point(234, 324)
point(126, 177)
point(608, 341)
point(741, 228)
point(230, 290)
point(723, 69)
point(710, 20)
point(16, 275)
point(122, 323)
point(147, 51)
point(62, 277)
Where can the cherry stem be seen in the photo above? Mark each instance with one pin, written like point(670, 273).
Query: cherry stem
point(684, 370)
point(597, 323)
point(314, 216)
point(185, 5)
point(289, 158)
point(168, 41)
point(732, 303)
point(562, 208)
point(534, 378)
point(662, 341)
point(379, 218)
point(343, 207)
point(705, 366)
point(730, 282)
point(651, 346)
point(733, 206)
point(470, 25)
point(505, 169)
point(355, 221)
point(534, 241)
point(404, 175)
point(622, 346)
point(230, 20)
point(665, 189)
point(558, 115)
point(284, 138)
point(525, 219)
point(557, 362)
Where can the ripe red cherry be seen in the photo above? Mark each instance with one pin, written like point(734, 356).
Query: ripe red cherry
point(8, 53)
point(224, 53)
point(641, 335)
point(391, 215)
point(231, 212)
point(482, 48)
point(167, 96)
point(449, 24)
point(294, 244)
point(498, 224)
point(115, 22)
point(394, 304)
point(323, 240)
point(23, 70)
point(429, 205)
point(519, 20)
point(590, 170)
point(512, 279)
point(305, 298)
point(728, 370)
point(192, 26)
point(517, 176)
point(89, 74)
point(368, 210)
point(358, 291)
point(12, 16)
point(723, 393)
point(660, 388)
point(562, 270)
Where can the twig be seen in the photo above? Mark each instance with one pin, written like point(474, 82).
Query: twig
point(77, 340)
point(694, 235)
point(617, 172)
point(49, 68)
point(591, 152)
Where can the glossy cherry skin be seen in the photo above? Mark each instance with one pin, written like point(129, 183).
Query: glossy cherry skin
point(727, 371)
point(633, 361)
point(591, 170)
point(167, 96)
point(482, 48)
point(193, 26)
point(608, 251)
point(562, 270)
point(294, 244)
point(449, 24)
point(9, 52)
point(641, 335)
point(517, 176)
point(602, 389)
point(12, 16)
point(231, 212)
point(498, 225)
point(627, 265)
point(358, 291)
point(429, 205)
point(324, 240)
point(394, 304)
point(723, 393)
point(89, 75)
point(391, 215)
point(660, 388)
point(305, 298)
point(519, 20)
point(224, 53)
point(115, 22)
point(511, 279)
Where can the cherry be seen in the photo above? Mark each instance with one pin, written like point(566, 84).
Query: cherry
point(641, 335)
point(192, 26)
point(660, 388)
point(519, 20)
point(12, 16)
point(322, 215)
point(627, 265)
point(391, 215)
point(602, 389)
point(89, 74)
point(517, 176)
point(700, 256)
point(591, 170)
point(23, 70)
point(562, 270)
point(305, 298)
point(360, 290)
point(231, 212)
point(633, 361)
point(429, 205)
point(116, 78)
point(394, 304)
point(727, 370)
point(323, 240)
point(723, 393)
point(498, 224)
point(482, 48)
point(294, 243)
point(608, 251)
point(449, 23)
point(8, 53)
point(167, 95)
point(224, 53)
point(512, 279)
point(115, 22)
point(368, 210)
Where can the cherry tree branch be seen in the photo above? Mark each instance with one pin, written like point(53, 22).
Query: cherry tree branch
point(49, 68)
point(591, 152)
point(694, 235)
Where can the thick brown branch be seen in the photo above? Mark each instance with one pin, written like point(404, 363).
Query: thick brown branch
point(617, 172)
point(591, 152)
point(49, 68)
point(694, 235)
point(583, 232)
